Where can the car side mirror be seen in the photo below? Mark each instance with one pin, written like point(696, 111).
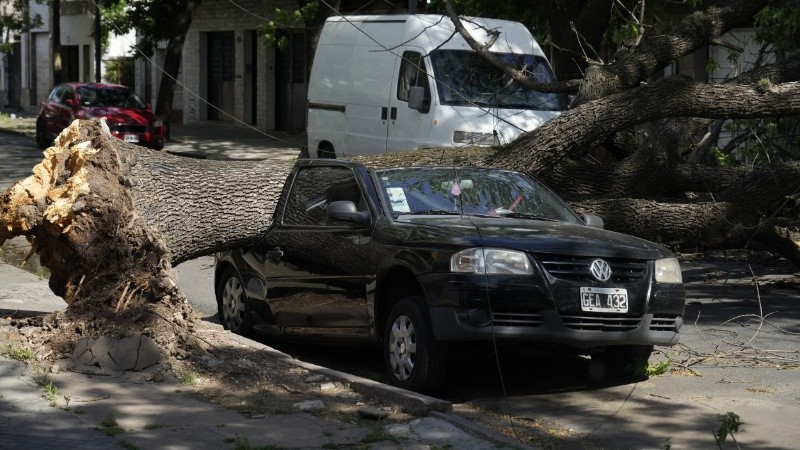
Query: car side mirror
point(416, 98)
point(148, 107)
point(70, 102)
point(592, 221)
point(347, 211)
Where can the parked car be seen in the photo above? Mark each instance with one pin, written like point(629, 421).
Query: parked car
point(127, 116)
point(420, 257)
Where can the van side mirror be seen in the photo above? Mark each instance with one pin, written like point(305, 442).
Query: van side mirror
point(347, 211)
point(593, 221)
point(416, 98)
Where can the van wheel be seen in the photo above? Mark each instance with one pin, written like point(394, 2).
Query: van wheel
point(414, 360)
point(326, 151)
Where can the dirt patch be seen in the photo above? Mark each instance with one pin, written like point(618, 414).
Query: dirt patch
point(206, 361)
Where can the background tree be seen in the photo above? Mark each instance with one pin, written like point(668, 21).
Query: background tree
point(156, 21)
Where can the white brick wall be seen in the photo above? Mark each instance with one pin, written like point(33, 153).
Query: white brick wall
point(222, 15)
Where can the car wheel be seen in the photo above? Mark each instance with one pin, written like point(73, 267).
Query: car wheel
point(326, 151)
point(41, 136)
point(413, 358)
point(234, 308)
point(624, 360)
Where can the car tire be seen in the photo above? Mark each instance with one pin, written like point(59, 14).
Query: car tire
point(413, 358)
point(232, 303)
point(624, 360)
point(41, 136)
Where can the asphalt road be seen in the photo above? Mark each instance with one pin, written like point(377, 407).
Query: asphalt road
point(736, 361)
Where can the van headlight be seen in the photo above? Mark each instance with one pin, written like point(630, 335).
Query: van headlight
point(158, 124)
point(668, 270)
point(474, 138)
point(491, 261)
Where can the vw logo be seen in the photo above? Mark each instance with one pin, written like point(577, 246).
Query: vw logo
point(600, 270)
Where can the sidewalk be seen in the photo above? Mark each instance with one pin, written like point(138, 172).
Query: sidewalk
point(163, 414)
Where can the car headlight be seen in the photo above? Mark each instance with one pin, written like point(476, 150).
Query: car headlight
point(491, 261)
point(158, 124)
point(469, 137)
point(668, 270)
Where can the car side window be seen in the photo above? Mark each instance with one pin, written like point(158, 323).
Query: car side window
point(69, 93)
point(56, 95)
point(412, 73)
point(314, 189)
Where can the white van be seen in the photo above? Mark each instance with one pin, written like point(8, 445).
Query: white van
point(400, 82)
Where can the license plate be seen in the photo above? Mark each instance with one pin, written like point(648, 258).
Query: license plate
point(132, 138)
point(599, 299)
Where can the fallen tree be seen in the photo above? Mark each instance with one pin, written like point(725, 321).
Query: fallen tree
point(111, 219)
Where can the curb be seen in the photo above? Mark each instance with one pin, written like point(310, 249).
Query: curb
point(481, 431)
point(410, 402)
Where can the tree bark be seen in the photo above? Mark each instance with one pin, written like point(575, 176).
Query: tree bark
point(172, 64)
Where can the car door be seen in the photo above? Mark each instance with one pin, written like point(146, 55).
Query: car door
point(63, 112)
point(317, 278)
point(409, 128)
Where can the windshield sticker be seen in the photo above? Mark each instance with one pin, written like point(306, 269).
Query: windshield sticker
point(397, 198)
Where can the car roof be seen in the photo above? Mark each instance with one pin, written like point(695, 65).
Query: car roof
point(75, 84)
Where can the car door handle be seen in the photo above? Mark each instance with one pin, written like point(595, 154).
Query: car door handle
point(276, 254)
point(394, 113)
point(384, 111)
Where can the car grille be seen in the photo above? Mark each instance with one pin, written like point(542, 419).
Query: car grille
point(516, 320)
point(123, 128)
point(576, 268)
point(663, 322)
point(601, 322)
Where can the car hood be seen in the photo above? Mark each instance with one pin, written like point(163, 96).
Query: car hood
point(138, 116)
point(536, 236)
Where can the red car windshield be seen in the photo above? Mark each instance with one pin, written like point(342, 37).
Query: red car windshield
point(108, 97)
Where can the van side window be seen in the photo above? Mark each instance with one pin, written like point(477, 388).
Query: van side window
point(413, 73)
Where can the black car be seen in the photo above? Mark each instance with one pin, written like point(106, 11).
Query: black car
point(420, 257)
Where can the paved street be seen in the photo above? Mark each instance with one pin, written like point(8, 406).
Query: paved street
point(753, 371)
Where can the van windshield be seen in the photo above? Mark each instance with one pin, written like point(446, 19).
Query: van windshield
point(464, 78)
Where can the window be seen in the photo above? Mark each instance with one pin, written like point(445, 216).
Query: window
point(412, 73)
point(314, 189)
point(464, 78)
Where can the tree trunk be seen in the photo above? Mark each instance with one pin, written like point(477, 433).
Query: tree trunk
point(109, 217)
point(172, 64)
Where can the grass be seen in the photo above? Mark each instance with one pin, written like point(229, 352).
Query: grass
point(240, 443)
point(379, 436)
point(50, 389)
point(51, 393)
point(20, 353)
point(188, 379)
point(659, 368)
point(110, 426)
point(22, 125)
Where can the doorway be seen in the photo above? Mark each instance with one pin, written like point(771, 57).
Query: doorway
point(221, 61)
point(292, 82)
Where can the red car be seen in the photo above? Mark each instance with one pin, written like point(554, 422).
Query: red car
point(128, 117)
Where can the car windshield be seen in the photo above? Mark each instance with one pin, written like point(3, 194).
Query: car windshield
point(469, 191)
point(464, 78)
point(109, 97)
